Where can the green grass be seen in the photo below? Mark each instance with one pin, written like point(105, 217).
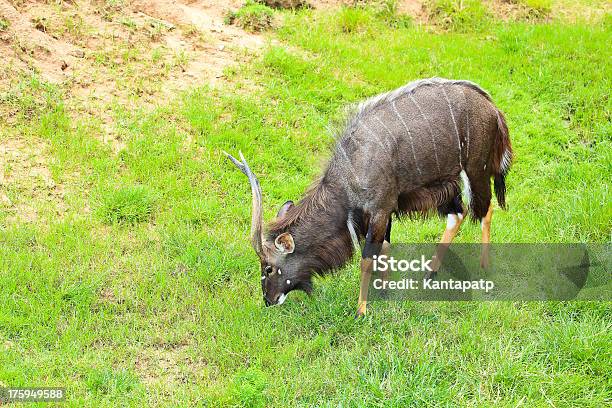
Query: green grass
point(128, 205)
point(458, 15)
point(539, 5)
point(252, 16)
point(4, 24)
point(145, 290)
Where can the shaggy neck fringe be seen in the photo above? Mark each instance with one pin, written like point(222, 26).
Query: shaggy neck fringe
point(318, 225)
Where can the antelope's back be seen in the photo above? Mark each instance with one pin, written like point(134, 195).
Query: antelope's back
point(417, 134)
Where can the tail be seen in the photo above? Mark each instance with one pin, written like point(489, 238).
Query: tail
point(502, 159)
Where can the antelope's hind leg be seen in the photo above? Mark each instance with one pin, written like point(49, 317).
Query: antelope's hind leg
point(374, 243)
point(454, 218)
point(482, 208)
point(486, 237)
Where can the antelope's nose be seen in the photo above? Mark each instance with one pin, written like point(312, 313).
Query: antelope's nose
point(269, 302)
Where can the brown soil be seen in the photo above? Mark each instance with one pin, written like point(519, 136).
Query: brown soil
point(24, 45)
point(59, 41)
point(27, 186)
point(163, 365)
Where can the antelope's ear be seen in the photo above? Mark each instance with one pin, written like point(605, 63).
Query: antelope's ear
point(284, 243)
point(283, 210)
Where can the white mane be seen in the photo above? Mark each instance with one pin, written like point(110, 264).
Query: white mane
point(382, 99)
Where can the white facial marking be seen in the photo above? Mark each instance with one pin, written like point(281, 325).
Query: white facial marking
point(288, 282)
point(281, 299)
point(460, 216)
point(263, 278)
point(279, 271)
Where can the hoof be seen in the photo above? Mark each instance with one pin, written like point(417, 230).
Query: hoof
point(430, 275)
point(435, 264)
point(484, 263)
point(361, 311)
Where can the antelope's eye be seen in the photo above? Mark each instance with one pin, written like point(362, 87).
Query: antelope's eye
point(268, 270)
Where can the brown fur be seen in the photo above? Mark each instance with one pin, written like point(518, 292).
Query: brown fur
point(426, 199)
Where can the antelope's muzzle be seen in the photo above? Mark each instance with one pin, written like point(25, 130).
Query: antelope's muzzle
point(280, 299)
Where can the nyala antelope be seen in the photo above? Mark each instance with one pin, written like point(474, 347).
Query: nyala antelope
point(417, 149)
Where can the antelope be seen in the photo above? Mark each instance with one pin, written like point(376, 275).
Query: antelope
point(420, 148)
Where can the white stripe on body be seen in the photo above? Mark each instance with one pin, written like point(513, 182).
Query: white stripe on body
point(433, 141)
point(409, 135)
point(450, 108)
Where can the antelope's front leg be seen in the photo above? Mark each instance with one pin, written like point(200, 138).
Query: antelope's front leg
point(373, 246)
point(385, 249)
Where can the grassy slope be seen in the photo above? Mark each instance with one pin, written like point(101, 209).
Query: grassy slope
point(169, 310)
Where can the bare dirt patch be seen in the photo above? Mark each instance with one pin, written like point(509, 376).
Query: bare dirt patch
point(56, 39)
point(27, 187)
point(218, 50)
point(23, 43)
point(410, 7)
point(168, 365)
